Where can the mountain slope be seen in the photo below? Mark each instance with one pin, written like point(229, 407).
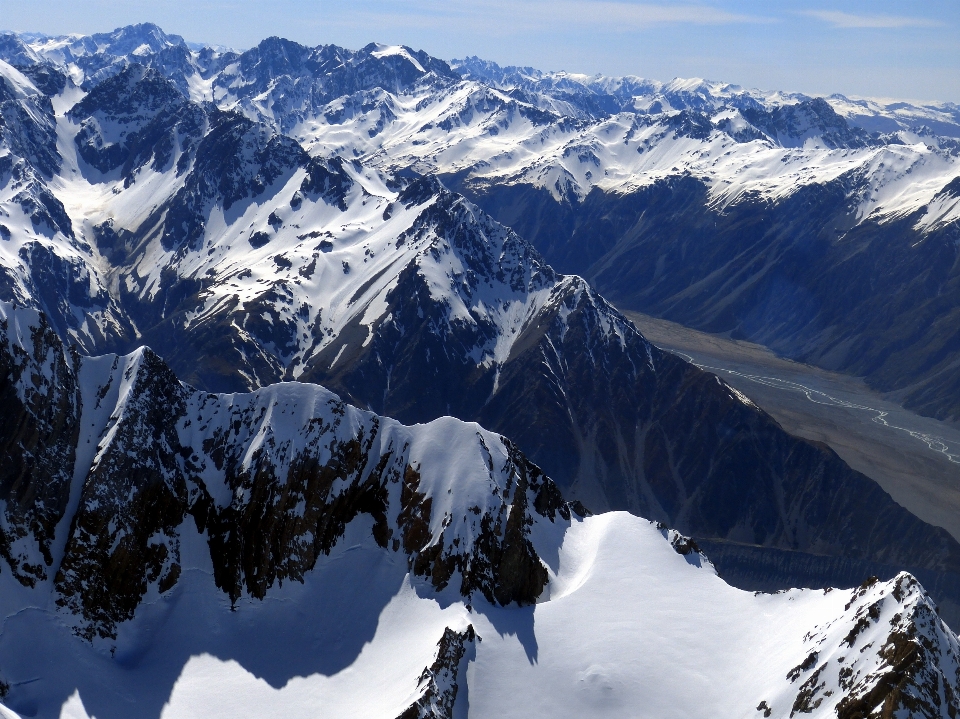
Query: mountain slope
point(45, 262)
point(873, 298)
point(271, 478)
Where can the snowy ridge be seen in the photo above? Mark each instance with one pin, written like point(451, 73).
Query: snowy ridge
point(860, 663)
point(596, 96)
point(943, 210)
point(131, 40)
point(488, 138)
point(16, 82)
point(88, 59)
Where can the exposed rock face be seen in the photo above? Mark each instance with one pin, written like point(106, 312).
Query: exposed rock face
point(441, 681)
point(447, 312)
point(27, 125)
point(791, 125)
point(16, 51)
point(245, 259)
point(272, 478)
point(280, 507)
point(49, 80)
point(235, 161)
point(134, 118)
point(39, 430)
point(123, 536)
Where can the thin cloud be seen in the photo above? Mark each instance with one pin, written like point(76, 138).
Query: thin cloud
point(849, 20)
point(642, 15)
point(509, 17)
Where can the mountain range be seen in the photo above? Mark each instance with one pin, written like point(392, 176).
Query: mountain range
point(347, 236)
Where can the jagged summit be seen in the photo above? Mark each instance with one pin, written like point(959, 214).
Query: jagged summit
point(94, 57)
point(140, 39)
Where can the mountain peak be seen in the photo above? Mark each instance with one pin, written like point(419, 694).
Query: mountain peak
point(138, 39)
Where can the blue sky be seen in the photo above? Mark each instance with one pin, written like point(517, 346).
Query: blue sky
point(890, 49)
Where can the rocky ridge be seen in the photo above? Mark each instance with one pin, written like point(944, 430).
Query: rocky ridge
point(886, 657)
point(440, 682)
point(271, 479)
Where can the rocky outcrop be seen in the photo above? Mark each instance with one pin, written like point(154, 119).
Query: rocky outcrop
point(440, 682)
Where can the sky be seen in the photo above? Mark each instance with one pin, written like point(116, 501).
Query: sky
point(907, 50)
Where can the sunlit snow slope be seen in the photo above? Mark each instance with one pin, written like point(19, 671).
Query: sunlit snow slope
point(629, 627)
point(169, 552)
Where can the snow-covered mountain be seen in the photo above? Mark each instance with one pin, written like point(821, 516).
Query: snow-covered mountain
point(244, 260)
point(573, 163)
point(115, 476)
point(176, 553)
point(576, 182)
point(127, 454)
point(89, 59)
point(597, 96)
point(407, 651)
